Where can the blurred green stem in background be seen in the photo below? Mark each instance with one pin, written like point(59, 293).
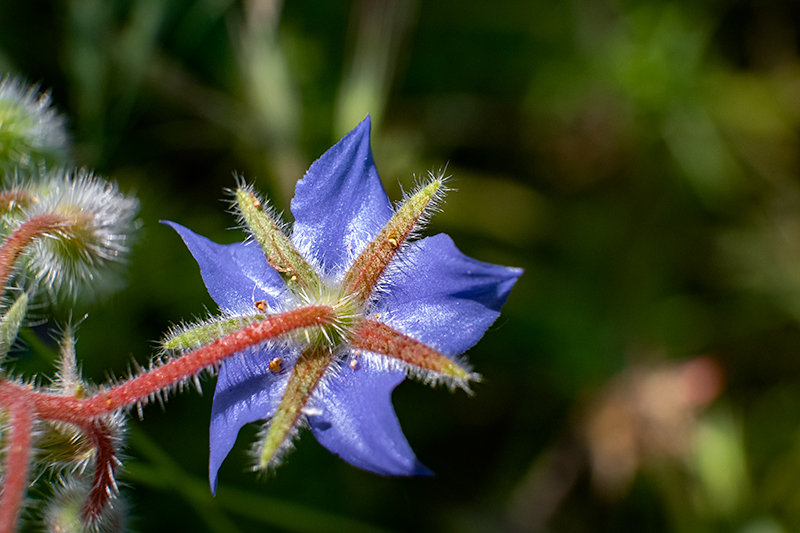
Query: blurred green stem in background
point(163, 473)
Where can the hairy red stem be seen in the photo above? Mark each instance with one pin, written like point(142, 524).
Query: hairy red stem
point(79, 411)
point(105, 462)
point(15, 244)
point(15, 475)
point(25, 405)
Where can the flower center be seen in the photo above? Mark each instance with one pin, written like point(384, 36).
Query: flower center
point(346, 311)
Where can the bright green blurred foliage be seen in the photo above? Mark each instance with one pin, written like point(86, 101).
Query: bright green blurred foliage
point(638, 158)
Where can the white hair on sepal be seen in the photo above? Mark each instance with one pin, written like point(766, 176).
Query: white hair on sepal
point(435, 202)
point(346, 309)
point(186, 337)
point(358, 243)
point(275, 216)
point(402, 265)
point(233, 206)
point(343, 357)
point(109, 214)
point(399, 264)
point(375, 362)
point(286, 446)
point(261, 203)
point(18, 193)
point(285, 346)
point(63, 446)
point(305, 247)
point(428, 376)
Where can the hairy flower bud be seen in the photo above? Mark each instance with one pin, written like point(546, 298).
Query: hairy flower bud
point(92, 231)
point(32, 133)
point(64, 513)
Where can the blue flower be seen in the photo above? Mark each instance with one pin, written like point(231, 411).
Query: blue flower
point(403, 308)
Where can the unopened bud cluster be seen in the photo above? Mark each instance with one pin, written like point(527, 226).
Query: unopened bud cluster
point(63, 232)
point(63, 227)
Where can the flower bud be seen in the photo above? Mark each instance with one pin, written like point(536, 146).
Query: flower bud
point(64, 513)
point(32, 133)
point(95, 232)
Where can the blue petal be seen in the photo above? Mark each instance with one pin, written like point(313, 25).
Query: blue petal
point(340, 203)
point(246, 391)
point(357, 422)
point(236, 275)
point(443, 298)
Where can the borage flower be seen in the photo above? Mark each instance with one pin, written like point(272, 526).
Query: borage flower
point(401, 307)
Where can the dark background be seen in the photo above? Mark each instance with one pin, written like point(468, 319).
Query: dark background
point(638, 158)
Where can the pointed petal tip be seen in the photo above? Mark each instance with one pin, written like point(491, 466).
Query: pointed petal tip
point(340, 203)
point(214, 462)
point(415, 469)
point(365, 124)
point(181, 230)
point(515, 272)
point(512, 275)
point(212, 481)
point(361, 131)
point(442, 286)
point(358, 424)
point(420, 470)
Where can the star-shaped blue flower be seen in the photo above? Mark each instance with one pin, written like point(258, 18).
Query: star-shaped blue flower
point(402, 308)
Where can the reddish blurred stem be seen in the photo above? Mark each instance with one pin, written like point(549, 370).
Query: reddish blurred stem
point(16, 464)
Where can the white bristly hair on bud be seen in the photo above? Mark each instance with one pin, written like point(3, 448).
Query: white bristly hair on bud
point(31, 130)
point(78, 257)
point(62, 513)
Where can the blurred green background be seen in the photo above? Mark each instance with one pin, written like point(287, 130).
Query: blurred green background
point(638, 158)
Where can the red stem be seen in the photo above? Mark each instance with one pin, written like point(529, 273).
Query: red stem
point(15, 478)
point(79, 411)
point(104, 462)
point(24, 235)
point(25, 404)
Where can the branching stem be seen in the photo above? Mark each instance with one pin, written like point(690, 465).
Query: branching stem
point(26, 405)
